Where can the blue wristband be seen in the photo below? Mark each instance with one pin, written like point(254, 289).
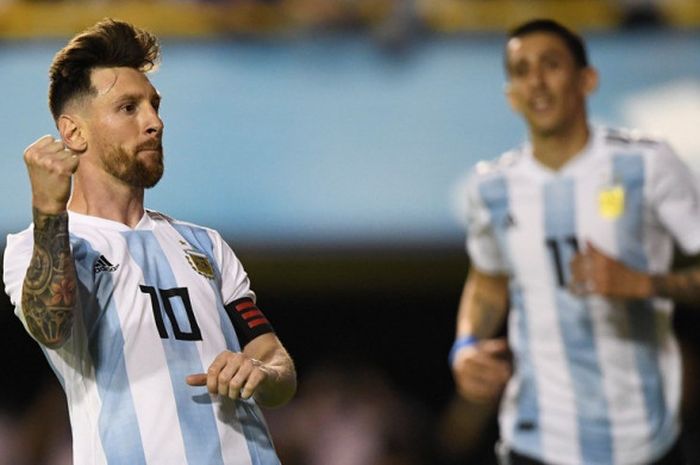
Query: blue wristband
point(459, 344)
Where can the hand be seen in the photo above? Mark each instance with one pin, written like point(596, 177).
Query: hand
point(234, 375)
point(593, 272)
point(50, 165)
point(482, 370)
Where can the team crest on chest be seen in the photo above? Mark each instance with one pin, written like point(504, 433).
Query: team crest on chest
point(200, 263)
point(611, 201)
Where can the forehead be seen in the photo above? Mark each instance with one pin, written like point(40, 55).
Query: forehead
point(114, 82)
point(534, 45)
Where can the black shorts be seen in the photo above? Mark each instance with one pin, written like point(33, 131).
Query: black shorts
point(672, 457)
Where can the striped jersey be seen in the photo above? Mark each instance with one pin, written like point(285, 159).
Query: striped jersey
point(152, 311)
point(596, 381)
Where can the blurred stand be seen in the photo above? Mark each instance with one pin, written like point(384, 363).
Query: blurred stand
point(350, 416)
point(467, 433)
point(34, 428)
point(392, 22)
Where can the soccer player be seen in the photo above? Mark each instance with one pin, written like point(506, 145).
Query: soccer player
point(573, 232)
point(148, 322)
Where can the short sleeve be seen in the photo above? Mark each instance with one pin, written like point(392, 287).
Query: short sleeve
point(18, 254)
point(234, 279)
point(482, 244)
point(675, 196)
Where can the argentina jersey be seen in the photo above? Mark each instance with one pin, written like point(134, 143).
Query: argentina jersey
point(152, 311)
point(596, 381)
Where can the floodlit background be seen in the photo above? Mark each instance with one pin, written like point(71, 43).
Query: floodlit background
point(327, 140)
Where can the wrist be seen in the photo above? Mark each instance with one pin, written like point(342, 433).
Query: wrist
point(461, 343)
point(657, 286)
point(47, 205)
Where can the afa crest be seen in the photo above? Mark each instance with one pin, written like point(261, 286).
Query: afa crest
point(200, 263)
point(611, 202)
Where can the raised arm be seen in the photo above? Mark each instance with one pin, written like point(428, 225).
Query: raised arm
point(49, 288)
point(480, 364)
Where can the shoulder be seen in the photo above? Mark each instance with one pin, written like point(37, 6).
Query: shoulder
point(192, 232)
point(486, 170)
point(22, 239)
point(631, 140)
point(163, 219)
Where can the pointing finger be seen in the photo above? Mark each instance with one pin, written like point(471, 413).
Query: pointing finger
point(199, 379)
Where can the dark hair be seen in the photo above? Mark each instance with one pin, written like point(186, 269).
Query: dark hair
point(573, 41)
point(109, 43)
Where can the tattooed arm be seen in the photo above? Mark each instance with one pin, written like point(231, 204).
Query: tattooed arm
point(681, 286)
point(48, 291)
point(480, 365)
point(49, 287)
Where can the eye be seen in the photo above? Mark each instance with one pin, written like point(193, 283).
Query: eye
point(551, 63)
point(519, 70)
point(128, 108)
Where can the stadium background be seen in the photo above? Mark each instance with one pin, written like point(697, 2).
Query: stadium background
point(327, 141)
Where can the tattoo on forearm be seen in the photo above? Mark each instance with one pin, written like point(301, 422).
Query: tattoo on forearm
point(683, 286)
point(49, 290)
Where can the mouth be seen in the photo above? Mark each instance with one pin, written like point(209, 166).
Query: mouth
point(154, 148)
point(541, 103)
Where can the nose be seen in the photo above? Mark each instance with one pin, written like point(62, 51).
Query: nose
point(154, 124)
point(537, 76)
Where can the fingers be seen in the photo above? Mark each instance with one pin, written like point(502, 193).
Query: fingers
point(50, 165)
point(200, 379)
point(495, 347)
point(481, 372)
point(51, 155)
point(594, 272)
point(232, 375)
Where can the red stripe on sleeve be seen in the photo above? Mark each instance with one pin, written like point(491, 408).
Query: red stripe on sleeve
point(259, 321)
point(251, 314)
point(245, 306)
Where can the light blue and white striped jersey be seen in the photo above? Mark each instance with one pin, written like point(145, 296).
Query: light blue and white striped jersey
point(151, 312)
point(596, 381)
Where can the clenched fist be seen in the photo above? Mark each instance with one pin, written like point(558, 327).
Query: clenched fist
point(50, 165)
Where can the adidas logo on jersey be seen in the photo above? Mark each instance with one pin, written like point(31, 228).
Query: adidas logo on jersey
point(102, 264)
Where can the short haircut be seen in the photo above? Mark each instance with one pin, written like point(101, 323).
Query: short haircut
point(573, 41)
point(109, 43)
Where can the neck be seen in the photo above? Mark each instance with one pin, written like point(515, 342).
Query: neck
point(555, 149)
point(106, 198)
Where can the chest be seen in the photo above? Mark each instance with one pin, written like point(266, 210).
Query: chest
point(148, 284)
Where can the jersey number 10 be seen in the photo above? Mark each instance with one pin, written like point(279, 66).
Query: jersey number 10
point(194, 334)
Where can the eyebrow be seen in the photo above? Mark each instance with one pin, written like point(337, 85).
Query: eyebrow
point(135, 97)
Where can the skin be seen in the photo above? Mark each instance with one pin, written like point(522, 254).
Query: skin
point(110, 151)
point(548, 89)
point(481, 371)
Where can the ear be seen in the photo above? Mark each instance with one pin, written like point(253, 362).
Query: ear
point(72, 131)
point(589, 80)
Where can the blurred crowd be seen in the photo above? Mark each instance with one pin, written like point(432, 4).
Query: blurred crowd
point(388, 19)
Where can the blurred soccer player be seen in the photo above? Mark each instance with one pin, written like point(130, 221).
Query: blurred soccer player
point(148, 322)
point(573, 232)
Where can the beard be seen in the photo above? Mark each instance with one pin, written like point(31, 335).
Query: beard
point(132, 170)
